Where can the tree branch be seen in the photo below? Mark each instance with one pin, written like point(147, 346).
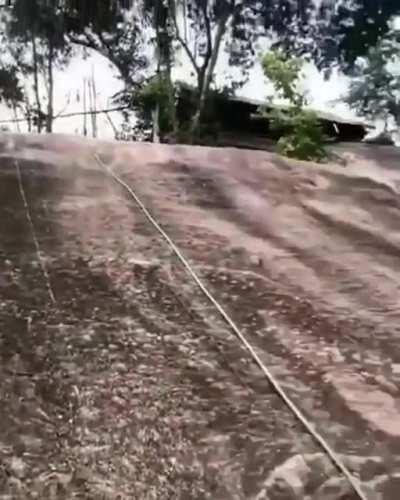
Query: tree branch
point(209, 71)
point(69, 115)
point(179, 37)
point(104, 48)
point(87, 42)
point(207, 24)
point(57, 115)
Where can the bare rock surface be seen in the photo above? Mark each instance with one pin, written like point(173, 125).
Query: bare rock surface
point(129, 385)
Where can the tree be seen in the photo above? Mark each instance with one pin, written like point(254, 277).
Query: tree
point(337, 33)
point(117, 29)
point(331, 33)
point(14, 72)
point(42, 35)
point(209, 21)
point(158, 17)
point(359, 25)
point(11, 92)
point(112, 28)
point(34, 42)
point(301, 134)
point(201, 29)
point(374, 92)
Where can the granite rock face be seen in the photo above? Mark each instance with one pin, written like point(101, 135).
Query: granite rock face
point(118, 379)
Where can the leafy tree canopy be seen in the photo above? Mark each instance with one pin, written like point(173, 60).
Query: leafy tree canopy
point(337, 33)
point(375, 89)
point(361, 24)
point(10, 88)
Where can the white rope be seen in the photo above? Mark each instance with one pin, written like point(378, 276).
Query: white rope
point(34, 237)
point(336, 460)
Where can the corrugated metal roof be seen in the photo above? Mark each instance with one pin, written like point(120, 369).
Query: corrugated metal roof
point(323, 115)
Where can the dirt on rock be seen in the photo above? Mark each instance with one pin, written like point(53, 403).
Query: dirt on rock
point(119, 380)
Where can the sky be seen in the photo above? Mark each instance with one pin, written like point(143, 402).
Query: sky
point(322, 94)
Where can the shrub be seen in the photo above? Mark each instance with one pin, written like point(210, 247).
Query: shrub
point(300, 134)
point(155, 92)
point(303, 137)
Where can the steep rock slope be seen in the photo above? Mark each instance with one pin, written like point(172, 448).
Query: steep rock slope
point(129, 383)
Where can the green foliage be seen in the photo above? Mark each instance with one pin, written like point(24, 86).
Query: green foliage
point(359, 25)
point(155, 92)
point(11, 91)
point(284, 73)
point(300, 134)
point(304, 139)
point(34, 46)
point(152, 93)
point(331, 32)
point(374, 92)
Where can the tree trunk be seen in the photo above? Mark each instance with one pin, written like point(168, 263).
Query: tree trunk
point(156, 129)
point(171, 94)
point(115, 130)
point(92, 104)
point(204, 80)
point(28, 112)
point(16, 119)
point(163, 56)
point(155, 113)
point(84, 109)
point(36, 85)
point(185, 27)
point(50, 96)
point(29, 120)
